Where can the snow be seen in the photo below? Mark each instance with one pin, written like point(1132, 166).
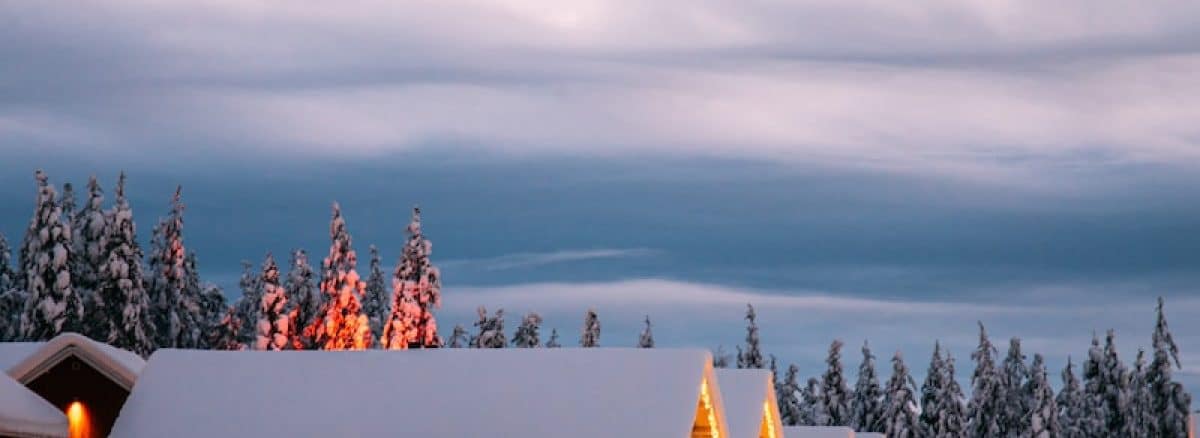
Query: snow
point(743, 392)
point(542, 392)
point(868, 435)
point(23, 413)
point(818, 432)
point(122, 366)
point(12, 353)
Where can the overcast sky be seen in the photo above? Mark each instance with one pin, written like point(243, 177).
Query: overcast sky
point(891, 171)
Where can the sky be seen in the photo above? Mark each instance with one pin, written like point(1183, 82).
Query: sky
point(859, 170)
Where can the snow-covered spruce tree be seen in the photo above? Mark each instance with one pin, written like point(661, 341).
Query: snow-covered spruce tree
point(8, 276)
point(1043, 411)
point(1014, 408)
point(553, 341)
point(340, 323)
point(931, 392)
point(952, 414)
point(1168, 398)
point(646, 340)
point(1094, 391)
point(526, 335)
point(835, 395)
point(589, 337)
point(984, 409)
point(1072, 412)
point(417, 291)
point(459, 338)
point(274, 328)
point(1114, 381)
point(721, 359)
point(68, 203)
point(90, 229)
point(400, 326)
point(174, 303)
point(866, 406)
point(491, 330)
point(224, 335)
point(122, 303)
point(12, 299)
point(900, 403)
point(751, 356)
point(375, 304)
point(247, 306)
point(1140, 420)
point(305, 298)
point(212, 309)
point(788, 398)
point(812, 408)
point(52, 306)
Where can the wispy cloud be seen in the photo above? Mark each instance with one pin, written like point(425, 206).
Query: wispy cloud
point(532, 259)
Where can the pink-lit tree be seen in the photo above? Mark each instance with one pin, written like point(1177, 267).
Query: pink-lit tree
point(340, 323)
point(417, 287)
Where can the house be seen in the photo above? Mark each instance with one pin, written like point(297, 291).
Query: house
point(818, 432)
point(453, 393)
point(750, 406)
point(87, 379)
point(24, 414)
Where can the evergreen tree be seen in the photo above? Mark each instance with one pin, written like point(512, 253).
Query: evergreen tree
point(247, 306)
point(1115, 385)
point(553, 342)
point(788, 398)
point(932, 391)
point(812, 407)
point(866, 407)
point(122, 303)
point(1073, 414)
point(68, 204)
point(418, 290)
point(590, 336)
point(952, 415)
point(375, 304)
point(174, 302)
point(1014, 409)
point(1168, 398)
point(900, 404)
point(527, 333)
point(51, 306)
point(835, 396)
point(491, 330)
point(721, 358)
point(8, 276)
point(459, 338)
point(225, 334)
point(1094, 390)
point(12, 299)
point(984, 410)
point(1043, 412)
point(340, 323)
point(1141, 419)
point(306, 301)
point(646, 340)
point(274, 329)
point(90, 251)
point(751, 356)
point(212, 308)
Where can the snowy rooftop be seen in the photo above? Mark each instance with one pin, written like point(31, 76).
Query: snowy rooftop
point(25, 414)
point(12, 353)
point(583, 393)
point(743, 391)
point(869, 435)
point(26, 360)
point(818, 432)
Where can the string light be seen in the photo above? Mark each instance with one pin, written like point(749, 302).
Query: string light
point(770, 425)
point(713, 430)
point(78, 424)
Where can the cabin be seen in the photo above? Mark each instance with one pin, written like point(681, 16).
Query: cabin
point(452, 393)
point(24, 414)
point(750, 406)
point(818, 432)
point(87, 380)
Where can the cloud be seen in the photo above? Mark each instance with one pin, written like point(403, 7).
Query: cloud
point(531, 260)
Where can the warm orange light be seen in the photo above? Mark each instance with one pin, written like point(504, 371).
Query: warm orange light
point(80, 426)
point(768, 422)
point(713, 430)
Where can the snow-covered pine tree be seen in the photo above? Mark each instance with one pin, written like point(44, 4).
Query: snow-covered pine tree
point(225, 334)
point(721, 359)
point(52, 306)
point(400, 326)
point(526, 335)
point(340, 323)
point(1094, 391)
point(646, 340)
point(835, 395)
point(68, 203)
point(1014, 408)
point(590, 335)
point(12, 299)
point(305, 298)
point(931, 392)
point(866, 406)
point(1168, 398)
point(8, 276)
point(812, 406)
point(1072, 412)
point(90, 229)
point(1114, 381)
point(212, 308)
point(984, 410)
point(122, 304)
point(459, 338)
point(491, 330)
point(900, 403)
point(553, 341)
point(952, 414)
point(1140, 421)
point(274, 329)
point(1043, 411)
point(248, 305)
point(173, 301)
point(788, 398)
point(418, 285)
point(751, 356)
point(375, 304)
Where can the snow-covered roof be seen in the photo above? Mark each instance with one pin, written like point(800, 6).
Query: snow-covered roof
point(12, 353)
point(120, 365)
point(818, 432)
point(25, 414)
point(544, 392)
point(869, 435)
point(744, 391)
